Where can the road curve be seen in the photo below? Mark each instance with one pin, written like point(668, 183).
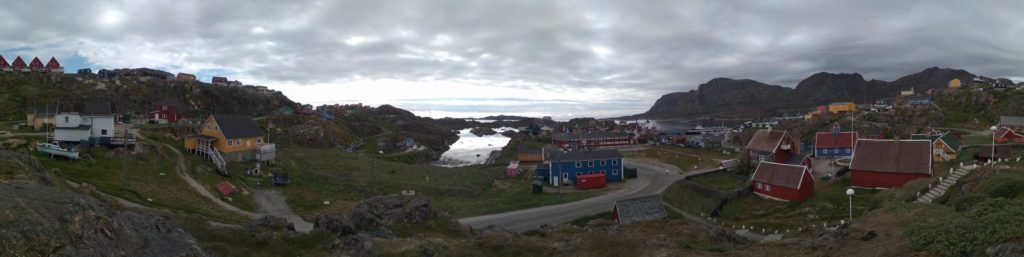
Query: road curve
point(652, 178)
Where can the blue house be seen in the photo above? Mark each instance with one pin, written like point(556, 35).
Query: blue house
point(835, 143)
point(920, 101)
point(565, 166)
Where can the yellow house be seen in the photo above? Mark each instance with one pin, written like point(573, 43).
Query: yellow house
point(907, 91)
point(954, 83)
point(235, 138)
point(40, 117)
point(842, 107)
point(944, 147)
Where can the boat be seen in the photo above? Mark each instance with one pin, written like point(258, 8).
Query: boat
point(56, 150)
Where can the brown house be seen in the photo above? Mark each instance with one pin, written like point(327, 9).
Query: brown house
point(771, 145)
point(40, 117)
point(185, 77)
point(233, 138)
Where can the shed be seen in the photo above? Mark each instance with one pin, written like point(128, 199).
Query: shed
point(784, 182)
point(985, 152)
point(226, 188)
point(513, 169)
point(885, 163)
point(638, 209)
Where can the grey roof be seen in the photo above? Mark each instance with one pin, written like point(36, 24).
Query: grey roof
point(97, 108)
point(237, 126)
point(1011, 121)
point(640, 209)
point(600, 154)
point(588, 136)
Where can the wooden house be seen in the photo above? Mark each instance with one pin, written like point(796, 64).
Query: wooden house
point(920, 101)
point(532, 155)
point(18, 65)
point(54, 67)
point(638, 209)
point(4, 66)
point(40, 117)
point(835, 143)
point(1007, 135)
point(231, 138)
point(907, 91)
point(85, 72)
point(771, 145)
point(220, 81)
point(36, 65)
point(185, 77)
point(565, 167)
point(954, 83)
point(783, 182)
point(842, 107)
point(165, 113)
point(884, 163)
point(94, 124)
point(1013, 122)
point(945, 146)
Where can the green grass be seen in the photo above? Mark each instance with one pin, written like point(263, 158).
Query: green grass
point(689, 200)
point(674, 157)
point(169, 191)
point(229, 241)
point(722, 181)
point(829, 203)
point(582, 221)
point(343, 179)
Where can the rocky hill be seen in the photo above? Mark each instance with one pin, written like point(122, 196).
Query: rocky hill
point(134, 94)
point(725, 97)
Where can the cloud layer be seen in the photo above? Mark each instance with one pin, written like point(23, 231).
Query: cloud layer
point(601, 58)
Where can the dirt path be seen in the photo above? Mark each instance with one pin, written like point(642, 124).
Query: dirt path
point(270, 202)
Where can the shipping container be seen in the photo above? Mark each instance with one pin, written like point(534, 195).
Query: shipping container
point(591, 181)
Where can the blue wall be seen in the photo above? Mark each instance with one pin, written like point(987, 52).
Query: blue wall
point(832, 152)
point(612, 168)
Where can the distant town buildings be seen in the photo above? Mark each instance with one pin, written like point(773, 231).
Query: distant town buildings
point(185, 77)
point(53, 66)
point(839, 107)
point(907, 91)
point(954, 83)
point(220, 81)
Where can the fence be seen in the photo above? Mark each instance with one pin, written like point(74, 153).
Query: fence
point(723, 197)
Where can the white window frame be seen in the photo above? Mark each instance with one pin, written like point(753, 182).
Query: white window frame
point(603, 162)
point(615, 162)
point(230, 142)
point(591, 164)
point(760, 186)
point(767, 187)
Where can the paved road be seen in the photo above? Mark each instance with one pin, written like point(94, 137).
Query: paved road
point(652, 178)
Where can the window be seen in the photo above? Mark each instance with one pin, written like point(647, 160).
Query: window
point(259, 140)
point(767, 187)
point(103, 132)
point(238, 141)
point(67, 119)
point(759, 186)
point(603, 163)
point(614, 162)
point(579, 164)
point(230, 141)
point(591, 163)
point(578, 174)
point(602, 172)
point(615, 172)
point(248, 142)
point(847, 150)
point(565, 176)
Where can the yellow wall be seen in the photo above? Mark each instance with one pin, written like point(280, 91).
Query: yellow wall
point(949, 153)
point(211, 129)
point(955, 83)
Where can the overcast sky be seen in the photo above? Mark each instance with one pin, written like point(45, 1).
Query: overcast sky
point(558, 58)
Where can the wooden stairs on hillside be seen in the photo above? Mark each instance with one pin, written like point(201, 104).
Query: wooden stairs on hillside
point(945, 184)
point(215, 156)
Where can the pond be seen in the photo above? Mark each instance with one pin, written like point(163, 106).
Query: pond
point(471, 149)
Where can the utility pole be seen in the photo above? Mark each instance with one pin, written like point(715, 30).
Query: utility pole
point(124, 161)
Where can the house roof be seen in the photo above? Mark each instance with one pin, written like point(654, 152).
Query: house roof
point(53, 64)
point(894, 156)
point(779, 174)
point(18, 63)
point(1004, 130)
point(766, 140)
point(237, 126)
point(1002, 151)
point(219, 79)
point(599, 154)
point(830, 140)
point(3, 62)
point(1011, 121)
point(588, 136)
point(640, 209)
point(948, 138)
point(97, 108)
point(36, 63)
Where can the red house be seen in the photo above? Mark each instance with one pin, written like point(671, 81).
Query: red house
point(165, 113)
point(783, 182)
point(771, 145)
point(36, 65)
point(1004, 135)
point(19, 65)
point(4, 66)
point(886, 163)
point(54, 66)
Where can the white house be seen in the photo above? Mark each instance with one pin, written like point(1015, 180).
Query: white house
point(95, 123)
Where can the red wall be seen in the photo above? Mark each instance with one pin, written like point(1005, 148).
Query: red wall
point(868, 179)
point(790, 194)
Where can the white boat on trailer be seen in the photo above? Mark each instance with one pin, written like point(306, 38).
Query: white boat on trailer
point(56, 150)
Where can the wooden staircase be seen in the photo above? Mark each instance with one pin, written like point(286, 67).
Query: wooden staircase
point(947, 182)
point(215, 156)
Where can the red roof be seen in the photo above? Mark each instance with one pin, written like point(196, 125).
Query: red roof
point(18, 63)
point(893, 156)
point(36, 64)
point(226, 188)
point(3, 62)
point(1005, 132)
point(53, 64)
point(766, 140)
point(830, 140)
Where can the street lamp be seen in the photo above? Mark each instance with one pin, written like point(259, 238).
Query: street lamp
point(993, 156)
point(849, 192)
